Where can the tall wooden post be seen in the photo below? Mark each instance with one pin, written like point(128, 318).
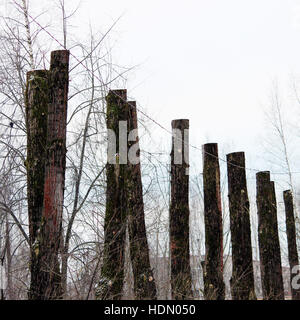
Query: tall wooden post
point(214, 287)
point(276, 246)
point(179, 213)
point(242, 281)
point(112, 271)
point(36, 104)
point(51, 226)
point(269, 247)
point(144, 283)
point(291, 238)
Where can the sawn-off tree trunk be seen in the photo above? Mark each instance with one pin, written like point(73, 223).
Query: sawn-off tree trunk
point(268, 239)
point(49, 237)
point(291, 238)
point(144, 283)
point(214, 287)
point(242, 281)
point(36, 110)
point(181, 281)
point(112, 272)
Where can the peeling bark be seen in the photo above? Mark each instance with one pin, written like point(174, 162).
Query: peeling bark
point(291, 238)
point(242, 281)
point(214, 287)
point(269, 247)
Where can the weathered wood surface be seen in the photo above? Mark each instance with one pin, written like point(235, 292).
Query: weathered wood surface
point(242, 281)
point(144, 283)
point(50, 233)
point(112, 271)
point(179, 214)
point(36, 111)
point(269, 247)
point(214, 287)
point(291, 238)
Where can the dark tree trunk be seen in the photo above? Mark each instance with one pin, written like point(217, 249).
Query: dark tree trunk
point(112, 271)
point(278, 277)
point(37, 101)
point(51, 226)
point(242, 281)
point(291, 238)
point(269, 247)
point(144, 284)
point(181, 281)
point(214, 287)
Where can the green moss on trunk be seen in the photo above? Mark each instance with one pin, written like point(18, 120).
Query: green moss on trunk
point(144, 283)
point(112, 272)
point(181, 281)
point(269, 247)
point(48, 279)
point(36, 103)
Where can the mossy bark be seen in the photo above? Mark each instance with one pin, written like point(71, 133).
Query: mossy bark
point(144, 283)
point(291, 238)
point(214, 287)
point(36, 104)
point(37, 100)
point(112, 271)
point(242, 281)
point(268, 239)
point(51, 226)
point(181, 281)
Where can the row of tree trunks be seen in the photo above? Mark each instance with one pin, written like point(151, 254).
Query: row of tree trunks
point(214, 287)
point(46, 110)
point(291, 237)
point(144, 284)
point(269, 247)
point(46, 114)
point(181, 282)
point(242, 281)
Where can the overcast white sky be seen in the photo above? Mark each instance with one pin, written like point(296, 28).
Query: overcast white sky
point(212, 61)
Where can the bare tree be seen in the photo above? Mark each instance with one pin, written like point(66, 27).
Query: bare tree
point(85, 186)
